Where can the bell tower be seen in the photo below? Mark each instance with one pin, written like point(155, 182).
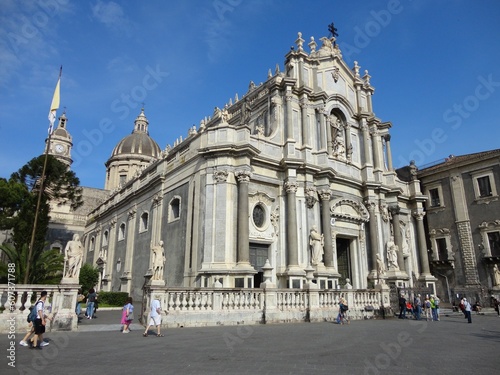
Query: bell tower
point(61, 142)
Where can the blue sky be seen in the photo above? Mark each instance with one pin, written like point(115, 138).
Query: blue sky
point(435, 66)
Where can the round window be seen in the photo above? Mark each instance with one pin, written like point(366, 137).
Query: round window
point(259, 216)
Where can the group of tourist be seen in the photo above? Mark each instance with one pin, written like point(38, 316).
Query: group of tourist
point(154, 316)
point(36, 326)
point(418, 309)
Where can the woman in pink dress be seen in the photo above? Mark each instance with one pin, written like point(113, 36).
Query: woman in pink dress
point(127, 315)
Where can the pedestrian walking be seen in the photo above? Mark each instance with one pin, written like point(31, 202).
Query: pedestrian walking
point(468, 309)
point(154, 317)
point(39, 323)
point(402, 306)
point(127, 315)
point(91, 299)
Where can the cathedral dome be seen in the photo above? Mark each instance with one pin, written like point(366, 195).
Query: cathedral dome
point(139, 142)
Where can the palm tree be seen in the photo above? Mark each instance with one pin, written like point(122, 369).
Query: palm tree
point(46, 266)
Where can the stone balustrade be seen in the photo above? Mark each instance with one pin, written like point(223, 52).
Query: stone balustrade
point(219, 306)
point(189, 307)
point(17, 299)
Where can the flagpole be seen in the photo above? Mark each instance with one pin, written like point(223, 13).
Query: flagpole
point(40, 191)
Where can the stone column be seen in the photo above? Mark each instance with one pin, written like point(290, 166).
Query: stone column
point(387, 138)
point(421, 242)
point(366, 143)
point(325, 196)
point(243, 246)
point(323, 129)
point(305, 124)
point(370, 205)
point(329, 138)
point(397, 235)
point(376, 141)
point(292, 238)
point(348, 143)
point(289, 115)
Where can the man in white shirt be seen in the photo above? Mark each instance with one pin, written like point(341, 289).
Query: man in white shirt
point(154, 317)
point(468, 309)
point(39, 323)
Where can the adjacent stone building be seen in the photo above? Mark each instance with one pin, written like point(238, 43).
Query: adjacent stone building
point(298, 171)
point(65, 221)
point(463, 219)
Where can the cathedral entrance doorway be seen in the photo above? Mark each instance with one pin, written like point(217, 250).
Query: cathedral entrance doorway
point(259, 253)
point(344, 259)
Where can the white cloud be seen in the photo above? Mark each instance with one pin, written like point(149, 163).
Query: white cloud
point(111, 15)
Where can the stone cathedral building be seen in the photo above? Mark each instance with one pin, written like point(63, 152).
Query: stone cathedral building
point(298, 172)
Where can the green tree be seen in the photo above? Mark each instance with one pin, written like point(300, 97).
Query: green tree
point(89, 276)
point(48, 265)
point(18, 206)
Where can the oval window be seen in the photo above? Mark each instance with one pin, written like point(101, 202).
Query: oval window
point(259, 216)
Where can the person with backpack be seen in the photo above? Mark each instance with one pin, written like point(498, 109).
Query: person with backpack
point(31, 328)
point(39, 322)
point(427, 308)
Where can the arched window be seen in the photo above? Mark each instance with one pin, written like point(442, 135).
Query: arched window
point(121, 232)
point(174, 209)
point(143, 225)
point(92, 244)
point(105, 238)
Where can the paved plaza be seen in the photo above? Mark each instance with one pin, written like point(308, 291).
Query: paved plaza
point(391, 346)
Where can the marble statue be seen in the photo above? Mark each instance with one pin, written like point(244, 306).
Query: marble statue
point(392, 254)
point(316, 241)
point(159, 260)
point(339, 147)
point(380, 266)
point(496, 274)
point(73, 256)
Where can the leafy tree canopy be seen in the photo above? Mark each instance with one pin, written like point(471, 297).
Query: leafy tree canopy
point(18, 206)
point(89, 276)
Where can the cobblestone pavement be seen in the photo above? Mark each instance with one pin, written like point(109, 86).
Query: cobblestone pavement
point(392, 346)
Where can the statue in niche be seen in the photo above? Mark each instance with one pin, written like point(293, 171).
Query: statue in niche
point(380, 266)
point(159, 260)
point(496, 275)
point(316, 241)
point(73, 256)
point(338, 147)
point(259, 129)
point(406, 243)
point(392, 254)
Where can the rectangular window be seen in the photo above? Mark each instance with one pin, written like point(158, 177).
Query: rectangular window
point(494, 241)
point(484, 186)
point(123, 179)
point(434, 196)
point(441, 247)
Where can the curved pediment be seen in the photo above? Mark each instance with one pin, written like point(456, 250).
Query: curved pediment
point(349, 209)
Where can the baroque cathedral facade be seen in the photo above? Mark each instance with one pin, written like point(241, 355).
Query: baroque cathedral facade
point(296, 176)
